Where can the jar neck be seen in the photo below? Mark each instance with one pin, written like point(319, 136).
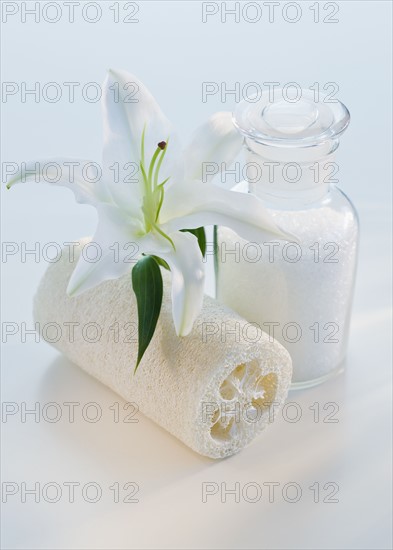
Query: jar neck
point(296, 175)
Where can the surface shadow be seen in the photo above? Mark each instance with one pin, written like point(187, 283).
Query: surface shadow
point(111, 435)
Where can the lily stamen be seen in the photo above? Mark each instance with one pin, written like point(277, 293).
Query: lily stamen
point(153, 192)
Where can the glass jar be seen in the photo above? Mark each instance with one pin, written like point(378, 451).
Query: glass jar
point(299, 292)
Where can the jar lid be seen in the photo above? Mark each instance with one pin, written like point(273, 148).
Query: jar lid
point(285, 122)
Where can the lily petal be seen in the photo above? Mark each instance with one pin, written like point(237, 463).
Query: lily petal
point(187, 269)
point(199, 204)
point(114, 252)
point(130, 110)
point(217, 142)
point(81, 176)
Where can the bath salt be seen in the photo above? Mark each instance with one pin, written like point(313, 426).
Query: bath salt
point(300, 294)
point(300, 290)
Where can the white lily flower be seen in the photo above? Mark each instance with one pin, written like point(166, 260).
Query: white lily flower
point(167, 196)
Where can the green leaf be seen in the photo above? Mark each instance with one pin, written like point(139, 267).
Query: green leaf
point(147, 284)
point(162, 262)
point(216, 258)
point(201, 236)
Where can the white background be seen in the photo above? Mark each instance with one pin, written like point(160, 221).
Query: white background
point(174, 52)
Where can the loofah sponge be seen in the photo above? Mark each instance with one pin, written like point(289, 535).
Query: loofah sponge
point(215, 389)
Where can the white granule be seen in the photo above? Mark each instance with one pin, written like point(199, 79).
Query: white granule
point(309, 299)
